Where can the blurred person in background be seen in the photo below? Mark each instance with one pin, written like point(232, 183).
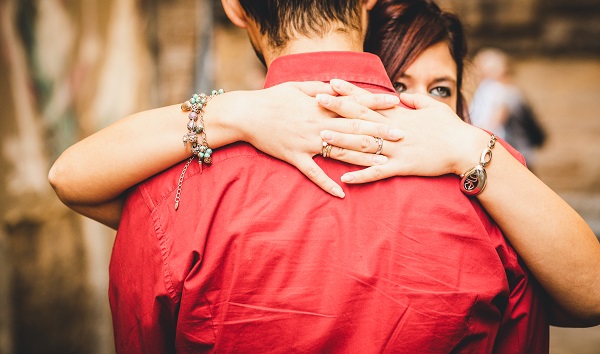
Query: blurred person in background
point(499, 106)
point(513, 199)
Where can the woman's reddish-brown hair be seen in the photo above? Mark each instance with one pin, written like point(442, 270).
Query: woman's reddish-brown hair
point(400, 30)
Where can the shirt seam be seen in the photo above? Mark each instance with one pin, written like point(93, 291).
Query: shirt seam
point(212, 317)
point(163, 239)
point(191, 174)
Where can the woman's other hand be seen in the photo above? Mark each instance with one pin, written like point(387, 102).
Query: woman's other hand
point(285, 121)
point(434, 140)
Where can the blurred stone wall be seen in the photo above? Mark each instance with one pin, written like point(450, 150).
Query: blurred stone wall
point(532, 27)
point(43, 264)
point(68, 69)
point(555, 47)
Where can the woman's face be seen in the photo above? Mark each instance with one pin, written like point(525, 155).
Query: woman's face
point(433, 73)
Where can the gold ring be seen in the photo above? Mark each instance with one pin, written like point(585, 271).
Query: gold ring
point(326, 150)
point(379, 142)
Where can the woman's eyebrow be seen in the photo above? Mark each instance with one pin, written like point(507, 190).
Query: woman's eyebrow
point(445, 79)
point(436, 80)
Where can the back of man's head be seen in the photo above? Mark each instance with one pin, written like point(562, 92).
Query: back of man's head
point(282, 20)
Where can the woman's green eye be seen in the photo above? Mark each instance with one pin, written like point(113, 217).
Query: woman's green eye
point(399, 87)
point(443, 92)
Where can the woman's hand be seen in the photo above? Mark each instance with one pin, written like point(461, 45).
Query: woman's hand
point(286, 122)
point(283, 121)
point(435, 141)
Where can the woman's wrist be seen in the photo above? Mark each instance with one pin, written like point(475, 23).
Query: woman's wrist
point(223, 119)
point(471, 142)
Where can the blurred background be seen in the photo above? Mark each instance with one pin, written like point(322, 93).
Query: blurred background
point(71, 67)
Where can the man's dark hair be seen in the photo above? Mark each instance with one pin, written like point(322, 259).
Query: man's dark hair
point(280, 19)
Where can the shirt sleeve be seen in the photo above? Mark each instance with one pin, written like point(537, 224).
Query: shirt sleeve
point(525, 323)
point(142, 309)
point(524, 327)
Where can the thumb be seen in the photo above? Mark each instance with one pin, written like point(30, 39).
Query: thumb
point(417, 101)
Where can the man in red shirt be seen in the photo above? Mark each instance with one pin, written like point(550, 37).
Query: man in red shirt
point(259, 259)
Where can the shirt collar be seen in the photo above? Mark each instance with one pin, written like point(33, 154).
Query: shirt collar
point(363, 69)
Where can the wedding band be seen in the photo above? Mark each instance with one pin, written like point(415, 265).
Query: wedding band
point(379, 142)
point(326, 150)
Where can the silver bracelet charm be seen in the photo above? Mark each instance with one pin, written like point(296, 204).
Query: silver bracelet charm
point(474, 180)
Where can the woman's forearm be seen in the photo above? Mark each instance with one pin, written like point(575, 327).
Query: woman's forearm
point(282, 121)
point(557, 245)
point(102, 166)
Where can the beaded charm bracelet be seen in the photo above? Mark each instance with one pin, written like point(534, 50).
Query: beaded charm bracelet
point(195, 126)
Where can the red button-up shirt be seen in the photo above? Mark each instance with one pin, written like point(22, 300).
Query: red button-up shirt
point(259, 259)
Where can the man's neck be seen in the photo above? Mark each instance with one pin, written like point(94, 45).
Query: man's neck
point(333, 42)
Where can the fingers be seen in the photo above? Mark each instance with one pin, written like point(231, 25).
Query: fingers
point(417, 101)
point(359, 129)
point(344, 88)
point(361, 143)
point(353, 109)
point(311, 170)
point(369, 174)
point(358, 106)
point(356, 157)
point(312, 88)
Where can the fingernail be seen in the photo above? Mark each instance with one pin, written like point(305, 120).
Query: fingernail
point(336, 83)
point(347, 178)
point(380, 159)
point(396, 134)
point(338, 192)
point(391, 99)
point(326, 135)
point(323, 99)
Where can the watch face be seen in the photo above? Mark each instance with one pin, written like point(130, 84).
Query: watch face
point(473, 181)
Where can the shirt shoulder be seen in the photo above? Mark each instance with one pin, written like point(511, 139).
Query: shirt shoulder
point(516, 154)
point(161, 189)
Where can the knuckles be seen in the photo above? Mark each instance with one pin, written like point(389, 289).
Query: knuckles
point(341, 153)
point(376, 173)
point(355, 126)
point(362, 112)
point(365, 143)
point(312, 172)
